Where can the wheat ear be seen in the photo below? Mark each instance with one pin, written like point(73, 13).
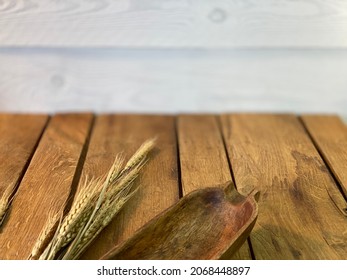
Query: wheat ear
point(5, 202)
point(119, 192)
point(77, 216)
point(116, 168)
point(45, 236)
point(95, 206)
point(139, 155)
point(105, 216)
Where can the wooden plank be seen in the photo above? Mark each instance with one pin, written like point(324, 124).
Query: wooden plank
point(297, 217)
point(204, 23)
point(19, 134)
point(203, 159)
point(159, 180)
point(51, 80)
point(46, 185)
point(330, 135)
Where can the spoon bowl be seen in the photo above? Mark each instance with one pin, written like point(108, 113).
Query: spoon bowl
point(209, 223)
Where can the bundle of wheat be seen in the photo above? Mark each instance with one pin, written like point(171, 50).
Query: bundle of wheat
point(94, 207)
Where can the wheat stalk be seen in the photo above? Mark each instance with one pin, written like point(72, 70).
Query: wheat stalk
point(103, 219)
point(94, 207)
point(120, 192)
point(5, 202)
point(76, 217)
point(45, 236)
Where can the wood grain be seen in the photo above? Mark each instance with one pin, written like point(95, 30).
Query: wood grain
point(202, 154)
point(330, 135)
point(203, 159)
point(173, 24)
point(19, 136)
point(46, 185)
point(159, 180)
point(297, 217)
point(207, 224)
point(109, 80)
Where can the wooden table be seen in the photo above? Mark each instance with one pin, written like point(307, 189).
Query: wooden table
point(299, 163)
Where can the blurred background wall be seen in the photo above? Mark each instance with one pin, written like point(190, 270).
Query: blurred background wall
point(173, 56)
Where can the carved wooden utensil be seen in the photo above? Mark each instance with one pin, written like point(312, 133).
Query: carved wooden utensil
point(209, 223)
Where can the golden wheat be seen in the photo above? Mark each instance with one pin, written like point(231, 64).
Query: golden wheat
point(75, 219)
point(5, 202)
point(105, 216)
point(139, 155)
point(45, 236)
point(93, 209)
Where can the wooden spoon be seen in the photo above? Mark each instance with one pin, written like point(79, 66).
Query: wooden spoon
point(210, 223)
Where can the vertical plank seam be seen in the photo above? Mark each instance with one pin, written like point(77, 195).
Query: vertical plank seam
point(79, 168)
point(25, 167)
point(219, 124)
point(321, 154)
point(179, 172)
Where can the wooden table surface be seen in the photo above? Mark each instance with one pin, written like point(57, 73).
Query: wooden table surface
point(299, 164)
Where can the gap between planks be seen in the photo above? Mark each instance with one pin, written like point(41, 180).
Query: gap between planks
point(297, 219)
point(159, 189)
point(330, 238)
point(46, 184)
point(20, 135)
point(203, 159)
point(329, 135)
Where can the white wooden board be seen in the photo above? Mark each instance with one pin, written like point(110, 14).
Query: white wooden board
point(174, 23)
point(102, 80)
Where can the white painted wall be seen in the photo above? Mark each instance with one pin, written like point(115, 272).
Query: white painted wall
point(174, 23)
point(173, 56)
